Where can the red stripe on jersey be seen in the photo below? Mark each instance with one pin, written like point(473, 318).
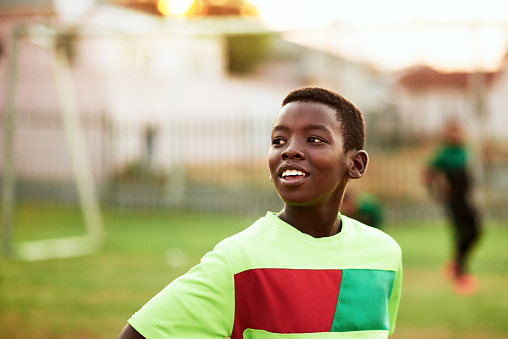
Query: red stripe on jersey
point(285, 300)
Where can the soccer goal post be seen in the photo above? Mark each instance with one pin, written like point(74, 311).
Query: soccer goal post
point(83, 173)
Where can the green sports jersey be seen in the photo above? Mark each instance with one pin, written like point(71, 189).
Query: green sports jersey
point(449, 157)
point(273, 281)
point(452, 161)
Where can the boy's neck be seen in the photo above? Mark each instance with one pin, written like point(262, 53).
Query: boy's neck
point(312, 220)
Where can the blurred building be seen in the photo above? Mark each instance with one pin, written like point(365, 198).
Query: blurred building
point(425, 98)
point(137, 73)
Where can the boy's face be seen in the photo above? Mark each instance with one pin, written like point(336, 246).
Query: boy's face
point(306, 159)
point(453, 134)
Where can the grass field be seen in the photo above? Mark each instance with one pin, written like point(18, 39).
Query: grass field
point(93, 296)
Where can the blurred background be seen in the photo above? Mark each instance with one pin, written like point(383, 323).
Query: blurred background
point(128, 109)
point(176, 98)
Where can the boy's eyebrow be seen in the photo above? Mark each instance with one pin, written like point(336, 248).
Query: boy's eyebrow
point(277, 128)
point(307, 128)
point(318, 127)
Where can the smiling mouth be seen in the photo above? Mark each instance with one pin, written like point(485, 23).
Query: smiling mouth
point(293, 174)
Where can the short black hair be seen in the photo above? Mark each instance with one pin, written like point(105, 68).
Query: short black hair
point(349, 116)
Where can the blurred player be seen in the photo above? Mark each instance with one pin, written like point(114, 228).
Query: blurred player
point(363, 206)
point(448, 178)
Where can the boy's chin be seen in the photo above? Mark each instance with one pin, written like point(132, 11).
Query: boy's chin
point(297, 202)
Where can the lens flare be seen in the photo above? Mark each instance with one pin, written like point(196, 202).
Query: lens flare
point(175, 7)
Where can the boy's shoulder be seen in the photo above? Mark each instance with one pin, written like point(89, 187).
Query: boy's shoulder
point(358, 226)
point(268, 238)
point(268, 228)
point(369, 235)
point(253, 233)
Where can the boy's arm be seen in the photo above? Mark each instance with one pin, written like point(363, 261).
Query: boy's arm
point(129, 332)
point(436, 184)
point(199, 304)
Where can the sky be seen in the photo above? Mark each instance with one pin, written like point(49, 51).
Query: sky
point(449, 35)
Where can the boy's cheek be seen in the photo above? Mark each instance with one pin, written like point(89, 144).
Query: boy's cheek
point(272, 161)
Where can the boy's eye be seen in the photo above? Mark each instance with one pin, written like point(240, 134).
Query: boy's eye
point(315, 140)
point(278, 141)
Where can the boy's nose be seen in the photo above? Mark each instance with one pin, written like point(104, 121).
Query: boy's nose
point(292, 152)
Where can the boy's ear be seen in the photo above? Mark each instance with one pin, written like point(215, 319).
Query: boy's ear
point(359, 160)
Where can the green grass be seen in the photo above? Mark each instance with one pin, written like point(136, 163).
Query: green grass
point(93, 296)
point(429, 307)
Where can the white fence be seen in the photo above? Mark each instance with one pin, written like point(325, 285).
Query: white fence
point(215, 165)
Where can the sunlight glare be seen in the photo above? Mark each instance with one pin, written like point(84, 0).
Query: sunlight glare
point(175, 7)
point(218, 2)
point(293, 14)
point(391, 34)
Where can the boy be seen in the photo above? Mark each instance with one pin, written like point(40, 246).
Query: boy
point(305, 272)
point(448, 179)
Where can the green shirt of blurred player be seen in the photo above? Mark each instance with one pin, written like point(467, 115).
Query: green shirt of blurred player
point(364, 207)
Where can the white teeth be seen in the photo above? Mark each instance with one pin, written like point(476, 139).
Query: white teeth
point(292, 173)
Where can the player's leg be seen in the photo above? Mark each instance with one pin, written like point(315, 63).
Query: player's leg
point(468, 231)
